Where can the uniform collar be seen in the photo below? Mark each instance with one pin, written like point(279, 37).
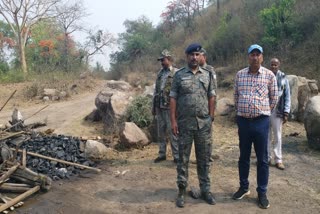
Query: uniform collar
point(200, 69)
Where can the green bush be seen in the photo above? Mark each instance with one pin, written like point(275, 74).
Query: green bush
point(12, 76)
point(139, 111)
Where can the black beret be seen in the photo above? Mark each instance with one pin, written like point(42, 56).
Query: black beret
point(194, 47)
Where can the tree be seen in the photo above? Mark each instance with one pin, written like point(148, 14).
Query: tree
point(280, 29)
point(69, 20)
point(6, 44)
point(96, 43)
point(21, 15)
point(183, 12)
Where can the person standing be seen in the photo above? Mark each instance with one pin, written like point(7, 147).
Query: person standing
point(203, 63)
point(279, 115)
point(161, 108)
point(192, 99)
point(255, 96)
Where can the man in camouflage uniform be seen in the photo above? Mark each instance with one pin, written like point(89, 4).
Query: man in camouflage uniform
point(161, 101)
point(203, 63)
point(192, 99)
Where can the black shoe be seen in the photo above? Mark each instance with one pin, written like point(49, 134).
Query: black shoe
point(180, 198)
point(240, 194)
point(159, 159)
point(208, 197)
point(263, 201)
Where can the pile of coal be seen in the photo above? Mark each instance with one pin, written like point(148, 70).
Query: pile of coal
point(60, 147)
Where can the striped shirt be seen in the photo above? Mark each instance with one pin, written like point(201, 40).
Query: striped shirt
point(255, 94)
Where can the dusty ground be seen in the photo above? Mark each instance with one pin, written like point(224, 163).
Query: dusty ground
point(146, 187)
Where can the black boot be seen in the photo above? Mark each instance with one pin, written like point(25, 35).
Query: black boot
point(180, 198)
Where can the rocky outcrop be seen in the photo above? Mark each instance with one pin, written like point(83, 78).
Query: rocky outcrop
point(132, 136)
point(301, 90)
point(312, 122)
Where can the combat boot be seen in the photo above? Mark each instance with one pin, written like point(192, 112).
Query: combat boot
point(181, 196)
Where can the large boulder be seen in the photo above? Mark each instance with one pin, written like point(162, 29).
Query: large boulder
point(301, 90)
point(225, 106)
point(132, 136)
point(95, 150)
point(312, 122)
point(112, 104)
point(50, 92)
point(293, 82)
point(148, 91)
point(119, 102)
point(118, 85)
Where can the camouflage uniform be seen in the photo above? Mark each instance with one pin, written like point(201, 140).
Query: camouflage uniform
point(191, 92)
point(161, 104)
point(210, 68)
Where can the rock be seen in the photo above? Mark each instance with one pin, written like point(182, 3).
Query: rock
point(112, 104)
point(46, 98)
point(119, 85)
point(2, 126)
point(96, 150)
point(63, 95)
point(119, 102)
point(132, 136)
point(293, 82)
point(313, 87)
point(148, 90)
point(312, 122)
point(301, 90)
point(50, 92)
point(224, 106)
point(55, 98)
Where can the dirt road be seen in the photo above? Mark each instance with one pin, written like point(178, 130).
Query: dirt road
point(145, 187)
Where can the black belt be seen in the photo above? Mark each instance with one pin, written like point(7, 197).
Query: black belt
point(255, 118)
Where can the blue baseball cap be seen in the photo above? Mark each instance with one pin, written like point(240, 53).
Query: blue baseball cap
point(255, 47)
point(194, 47)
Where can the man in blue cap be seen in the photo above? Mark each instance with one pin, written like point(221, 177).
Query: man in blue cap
point(192, 99)
point(255, 96)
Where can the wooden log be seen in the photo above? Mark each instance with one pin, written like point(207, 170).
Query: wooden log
point(9, 188)
point(7, 174)
point(61, 161)
point(24, 158)
point(19, 198)
point(17, 185)
point(7, 135)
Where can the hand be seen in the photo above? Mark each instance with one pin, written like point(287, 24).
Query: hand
point(174, 127)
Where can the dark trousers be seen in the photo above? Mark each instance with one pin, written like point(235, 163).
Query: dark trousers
point(254, 131)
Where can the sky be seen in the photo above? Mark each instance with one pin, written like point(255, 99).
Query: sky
point(110, 15)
